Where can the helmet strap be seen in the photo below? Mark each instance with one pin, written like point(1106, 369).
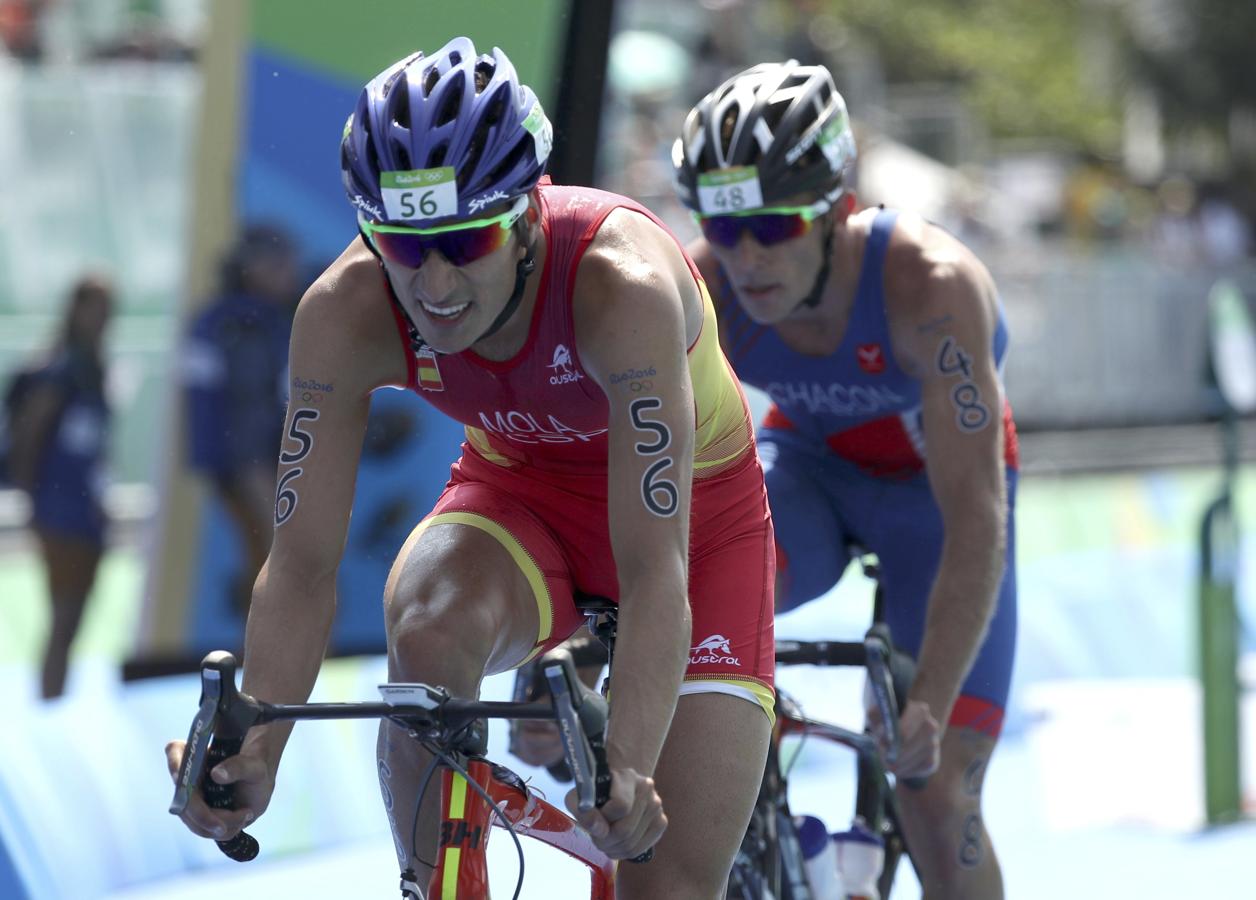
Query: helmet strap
point(522, 271)
point(812, 300)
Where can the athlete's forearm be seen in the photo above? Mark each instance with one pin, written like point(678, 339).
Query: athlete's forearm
point(289, 623)
point(961, 604)
point(651, 653)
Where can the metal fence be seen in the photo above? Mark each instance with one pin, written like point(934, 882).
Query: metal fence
point(1107, 338)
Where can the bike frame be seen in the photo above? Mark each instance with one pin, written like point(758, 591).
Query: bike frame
point(461, 871)
point(876, 802)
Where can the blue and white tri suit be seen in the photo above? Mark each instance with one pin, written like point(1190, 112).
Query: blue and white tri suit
point(844, 448)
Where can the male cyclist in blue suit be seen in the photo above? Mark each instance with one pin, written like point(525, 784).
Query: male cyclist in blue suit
point(879, 338)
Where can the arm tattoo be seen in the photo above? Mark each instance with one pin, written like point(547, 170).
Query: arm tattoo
point(971, 414)
point(936, 325)
point(285, 494)
point(660, 495)
point(637, 380)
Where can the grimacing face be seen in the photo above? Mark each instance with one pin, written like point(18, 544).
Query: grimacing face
point(770, 282)
point(452, 306)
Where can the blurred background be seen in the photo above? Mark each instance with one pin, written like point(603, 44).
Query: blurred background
point(1099, 156)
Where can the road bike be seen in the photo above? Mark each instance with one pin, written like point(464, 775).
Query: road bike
point(475, 792)
point(770, 864)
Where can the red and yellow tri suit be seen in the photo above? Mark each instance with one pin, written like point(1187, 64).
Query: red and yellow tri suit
point(533, 471)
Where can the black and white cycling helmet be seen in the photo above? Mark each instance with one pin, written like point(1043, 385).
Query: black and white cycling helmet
point(785, 120)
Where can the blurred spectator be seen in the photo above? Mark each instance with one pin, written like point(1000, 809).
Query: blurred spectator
point(1095, 201)
point(58, 424)
point(1175, 233)
point(19, 28)
point(235, 387)
point(1226, 235)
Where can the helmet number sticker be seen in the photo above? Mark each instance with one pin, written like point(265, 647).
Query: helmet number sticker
point(541, 130)
point(725, 191)
point(419, 194)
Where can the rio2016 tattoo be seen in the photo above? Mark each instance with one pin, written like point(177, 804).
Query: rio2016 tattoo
point(971, 414)
point(636, 380)
point(285, 494)
point(659, 494)
point(936, 325)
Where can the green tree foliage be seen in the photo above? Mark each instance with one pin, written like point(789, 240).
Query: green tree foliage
point(1199, 56)
point(1028, 68)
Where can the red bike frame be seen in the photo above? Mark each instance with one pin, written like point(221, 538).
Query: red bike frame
point(462, 864)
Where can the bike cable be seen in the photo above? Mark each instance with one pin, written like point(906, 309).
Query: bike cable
point(453, 764)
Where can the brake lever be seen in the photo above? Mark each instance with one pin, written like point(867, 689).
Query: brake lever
point(578, 751)
point(587, 710)
point(217, 733)
point(878, 662)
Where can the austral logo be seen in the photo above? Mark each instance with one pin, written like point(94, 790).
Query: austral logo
point(871, 358)
point(713, 649)
point(563, 372)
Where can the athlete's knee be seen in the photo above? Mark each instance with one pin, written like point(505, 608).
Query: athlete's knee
point(947, 813)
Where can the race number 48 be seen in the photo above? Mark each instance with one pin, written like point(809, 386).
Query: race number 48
point(726, 191)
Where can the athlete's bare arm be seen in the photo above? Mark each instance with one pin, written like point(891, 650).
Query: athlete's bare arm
point(942, 309)
point(344, 344)
point(637, 311)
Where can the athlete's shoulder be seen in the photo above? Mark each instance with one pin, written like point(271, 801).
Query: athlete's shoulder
point(931, 270)
point(347, 313)
point(934, 285)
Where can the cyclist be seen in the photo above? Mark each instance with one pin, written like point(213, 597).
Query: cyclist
point(609, 450)
point(879, 337)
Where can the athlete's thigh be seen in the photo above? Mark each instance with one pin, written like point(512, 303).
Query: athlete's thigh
point(708, 778)
point(482, 561)
point(810, 539)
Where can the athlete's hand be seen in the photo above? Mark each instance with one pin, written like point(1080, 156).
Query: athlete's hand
point(254, 783)
point(537, 742)
point(919, 740)
point(631, 822)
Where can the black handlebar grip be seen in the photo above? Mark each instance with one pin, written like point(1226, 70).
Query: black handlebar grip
point(243, 847)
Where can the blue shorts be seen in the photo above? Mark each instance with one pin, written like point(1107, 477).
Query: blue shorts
point(820, 503)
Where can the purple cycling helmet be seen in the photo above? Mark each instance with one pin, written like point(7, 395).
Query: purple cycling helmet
point(443, 137)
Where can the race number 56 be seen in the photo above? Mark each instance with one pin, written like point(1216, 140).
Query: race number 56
point(658, 493)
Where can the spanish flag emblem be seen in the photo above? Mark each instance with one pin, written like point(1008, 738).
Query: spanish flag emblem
point(429, 371)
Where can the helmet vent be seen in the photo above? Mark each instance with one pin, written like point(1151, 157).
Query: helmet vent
point(727, 126)
point(429, 81)
point(484, 70)
point(513, 158)
point(450, 104)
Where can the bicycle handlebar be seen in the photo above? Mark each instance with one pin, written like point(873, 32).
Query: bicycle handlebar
point(890, 671)
point(225, 716)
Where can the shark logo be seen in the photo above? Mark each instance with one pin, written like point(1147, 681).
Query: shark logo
point(713, 649)
point(563, 372)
